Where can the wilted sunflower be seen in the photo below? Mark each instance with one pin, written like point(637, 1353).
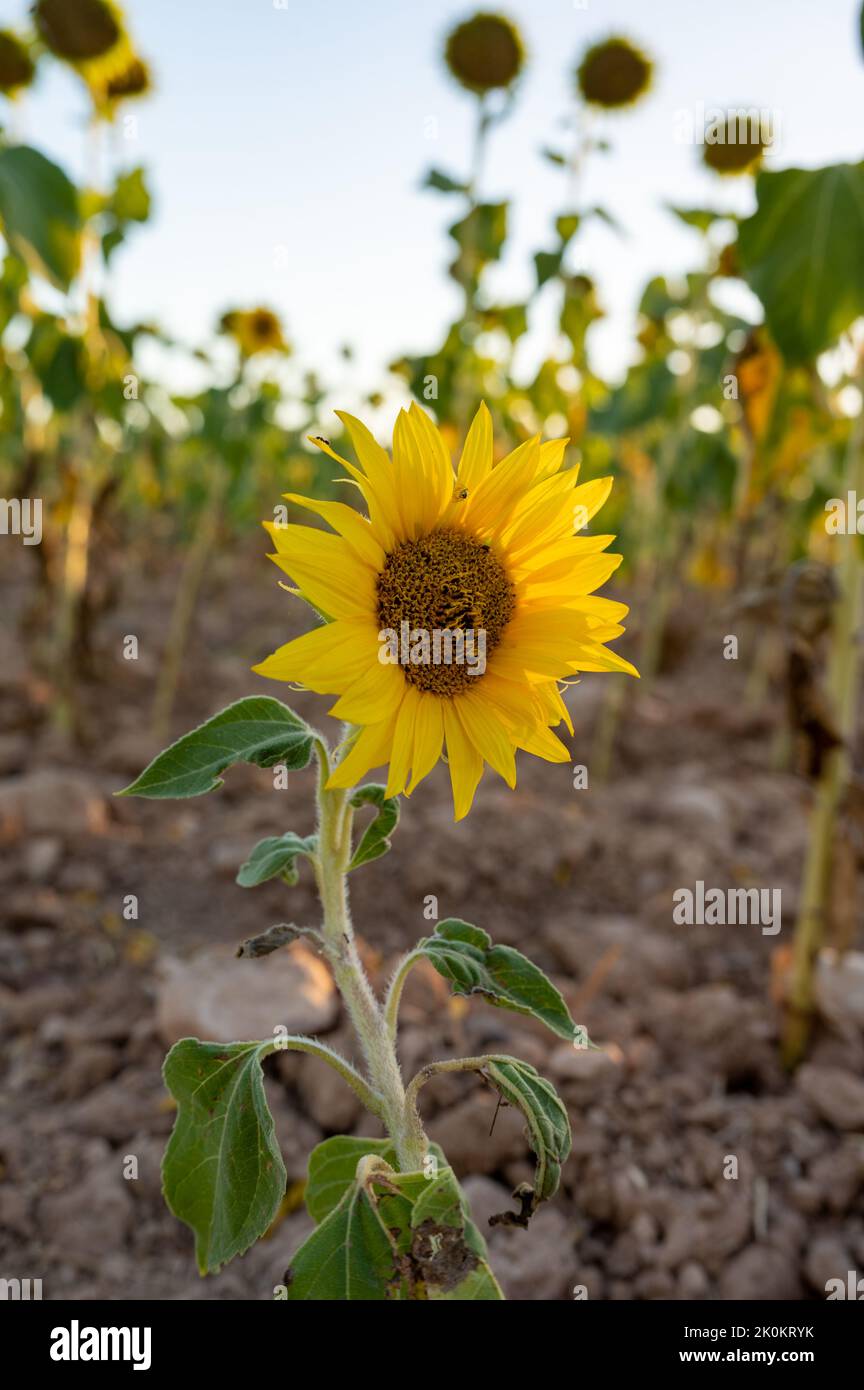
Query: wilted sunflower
point(485, 53)
point(133, 81)
point(733, 146)
point(614, 73)
point(78, 30)
point(16, 66)
point(254, 330)
point(491, 551)
point(89, 35)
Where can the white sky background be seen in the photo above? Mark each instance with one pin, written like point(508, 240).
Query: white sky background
point(307, 127)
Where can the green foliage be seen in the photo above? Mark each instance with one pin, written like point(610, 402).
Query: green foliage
point(258, 730)
point(375, 839)
point(333, 1168)
point(467, 959)
point(701, 219)
point(480, 236)
point(389, 1235)
point(40, 215)
point(128, 203)
point(222, 1172)
point(548, 1124)
point(443, 183)
point(275, 857)
point(801, 254)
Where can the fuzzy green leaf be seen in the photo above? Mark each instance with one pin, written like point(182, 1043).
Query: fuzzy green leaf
point(258, 730)
point(275, 857)
point(801, 254)
point(390, 1235)
point(333, 1166)
point(467, 959)
point(39, 214)
point(222, 1173)
point(548, 1123)
point(375, 840)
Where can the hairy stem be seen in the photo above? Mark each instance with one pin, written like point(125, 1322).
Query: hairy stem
point(331, 864)
point(394, 993)
point(314, 1048)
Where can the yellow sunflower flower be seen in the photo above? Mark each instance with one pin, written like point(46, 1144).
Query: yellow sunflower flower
point(489, 556)
point(254, 330)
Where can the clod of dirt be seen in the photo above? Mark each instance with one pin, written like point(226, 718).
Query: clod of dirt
point(50, 802)
point(836, 1095)
point(213, 995)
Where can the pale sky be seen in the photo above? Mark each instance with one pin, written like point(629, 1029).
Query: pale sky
point(286, 143)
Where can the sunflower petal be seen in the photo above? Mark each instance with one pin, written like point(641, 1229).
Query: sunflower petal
point(465, 763)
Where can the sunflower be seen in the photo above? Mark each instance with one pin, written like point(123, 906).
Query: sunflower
point(17, 69)
point(489, 556)
point(133, 81)
point(89, 35)
point(254, 330)
point(732, 146)
point(613, 74)
point(485, 53)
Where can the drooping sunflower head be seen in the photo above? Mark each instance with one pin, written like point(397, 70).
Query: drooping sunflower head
point(485, 53)
point(89, 35)
point(132, 81)
point(254, 330)
point(734, 146)
point(614, 74)
point(454, 611)
point(17, 68)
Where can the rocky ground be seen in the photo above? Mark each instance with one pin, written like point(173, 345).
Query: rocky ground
point(580, 879)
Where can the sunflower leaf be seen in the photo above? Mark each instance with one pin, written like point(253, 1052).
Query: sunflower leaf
point(801, 254)
point(40, 214)
point(258, 730)
point(333, 1165)
point(275, 857)
point(442, 182)
point(375, 840)
point(549, 1135)
point(547, 264)
point(385, 1234)
point(467, 959)
point(222, 1172)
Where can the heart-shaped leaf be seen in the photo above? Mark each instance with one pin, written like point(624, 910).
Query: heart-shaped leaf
point(222, 1172)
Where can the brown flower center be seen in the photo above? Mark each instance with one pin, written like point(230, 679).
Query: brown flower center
point(452, 585)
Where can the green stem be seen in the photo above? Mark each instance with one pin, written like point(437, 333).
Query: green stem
point(843, 673)
point(434, 1069)
point(370, 1098)
point(394, 993)
point(340, 947)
